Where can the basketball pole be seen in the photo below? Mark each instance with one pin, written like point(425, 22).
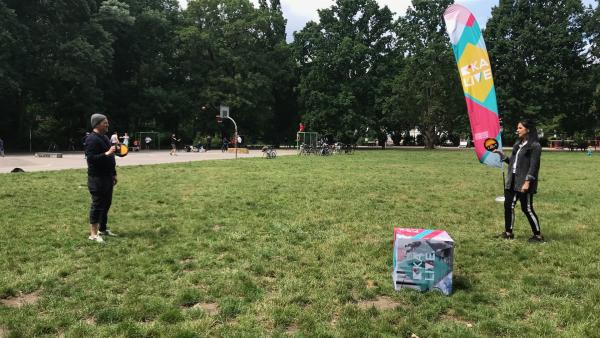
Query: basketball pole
point(235, 134)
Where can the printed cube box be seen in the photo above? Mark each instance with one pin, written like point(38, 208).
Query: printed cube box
point(423, 260)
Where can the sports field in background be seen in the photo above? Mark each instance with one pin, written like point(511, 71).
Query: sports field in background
point(298, 246)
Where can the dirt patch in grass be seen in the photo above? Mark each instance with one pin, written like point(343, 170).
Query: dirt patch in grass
point(211, 309)
point(456, 319)
point(334, 320)
point(3, 332)
point(187, 260)
point(292, 329)
point(381, 303)
point(21, 300)
point(90, 321)
point(503, 292)
point(187, 264)
point(371, 284)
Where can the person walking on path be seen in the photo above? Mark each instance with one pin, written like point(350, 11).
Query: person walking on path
point(125, 139)
point(225, 144)
point(174, 141)
point(114, 139)
point(102, 176)
point(1, 147)
point(147, 140)
point(208, 142)
point(521, 185)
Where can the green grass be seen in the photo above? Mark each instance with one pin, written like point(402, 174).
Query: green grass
point(295, 245)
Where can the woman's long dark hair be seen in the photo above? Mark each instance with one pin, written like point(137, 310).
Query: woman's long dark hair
point(532, 135)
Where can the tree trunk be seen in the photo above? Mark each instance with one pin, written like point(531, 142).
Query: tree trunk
point(382, 137)
point(429, 137)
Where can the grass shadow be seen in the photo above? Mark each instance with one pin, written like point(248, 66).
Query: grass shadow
point(462, 283)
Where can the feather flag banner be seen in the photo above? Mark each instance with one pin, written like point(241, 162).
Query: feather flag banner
point(476, 76)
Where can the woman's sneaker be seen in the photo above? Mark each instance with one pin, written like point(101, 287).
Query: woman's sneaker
point(96, 238)
point(506, 235)
point(536, 239)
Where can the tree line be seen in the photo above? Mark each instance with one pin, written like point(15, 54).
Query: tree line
point(359, 71)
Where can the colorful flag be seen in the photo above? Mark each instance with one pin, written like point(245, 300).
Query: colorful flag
point(476, 77)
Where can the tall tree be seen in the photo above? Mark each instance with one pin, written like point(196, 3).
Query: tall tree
point(340, 61)
point(592, 29)
point(537, 52)
point(143, 90)
point(427, 90)
point(13, 58)
point(233, 53)
point(66, 53)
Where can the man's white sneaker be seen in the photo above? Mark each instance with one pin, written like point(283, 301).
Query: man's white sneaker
point(107, 233)
point(96, 238)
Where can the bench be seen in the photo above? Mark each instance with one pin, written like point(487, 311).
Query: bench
point(55, 155)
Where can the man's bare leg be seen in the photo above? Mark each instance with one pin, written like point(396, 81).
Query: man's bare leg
point(94, 229)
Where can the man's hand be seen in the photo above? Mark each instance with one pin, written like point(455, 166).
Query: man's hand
point(525, 187)
point(111, 151)
point(114, 180)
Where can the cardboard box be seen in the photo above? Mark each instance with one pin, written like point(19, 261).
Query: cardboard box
point(423, 260)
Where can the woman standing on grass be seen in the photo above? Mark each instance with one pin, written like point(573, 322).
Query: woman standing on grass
point(523, 169)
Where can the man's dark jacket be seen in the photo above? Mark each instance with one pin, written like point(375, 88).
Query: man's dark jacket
point(528, 166)
point(99, 165)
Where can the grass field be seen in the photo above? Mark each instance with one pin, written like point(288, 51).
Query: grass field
point(298, 246)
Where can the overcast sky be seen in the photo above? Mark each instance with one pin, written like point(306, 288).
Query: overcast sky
point(298, 12)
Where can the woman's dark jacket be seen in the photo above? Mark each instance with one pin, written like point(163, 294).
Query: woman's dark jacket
point(528, 166)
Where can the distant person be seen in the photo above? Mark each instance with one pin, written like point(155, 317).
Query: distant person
point(114, 139)
point(225, 144)
point(71, 144)
point(300, 130)
point(102, 176)
point(174, 141)
point(521, 184)
point(147, 140)
point(136, 145)
point(125, 139)
point(208, 142)
point(1, 147)
point(239, 141)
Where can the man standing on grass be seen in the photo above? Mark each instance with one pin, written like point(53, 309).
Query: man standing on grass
point(102, 176)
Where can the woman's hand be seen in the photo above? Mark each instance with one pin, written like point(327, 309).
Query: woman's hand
point(501, 153)
point(525, 187)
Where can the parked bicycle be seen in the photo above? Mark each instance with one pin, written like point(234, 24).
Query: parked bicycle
point(348, 148)
point(306, 149)
point(324, 149)
point(269, 152)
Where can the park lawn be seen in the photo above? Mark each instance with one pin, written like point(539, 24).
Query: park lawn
point(298, 246)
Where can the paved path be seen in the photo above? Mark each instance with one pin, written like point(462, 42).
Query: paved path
point(75, 160)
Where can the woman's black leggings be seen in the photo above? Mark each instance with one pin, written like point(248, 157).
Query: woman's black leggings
point(526, 199)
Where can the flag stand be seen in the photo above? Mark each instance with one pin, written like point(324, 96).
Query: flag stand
point(500, 199)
